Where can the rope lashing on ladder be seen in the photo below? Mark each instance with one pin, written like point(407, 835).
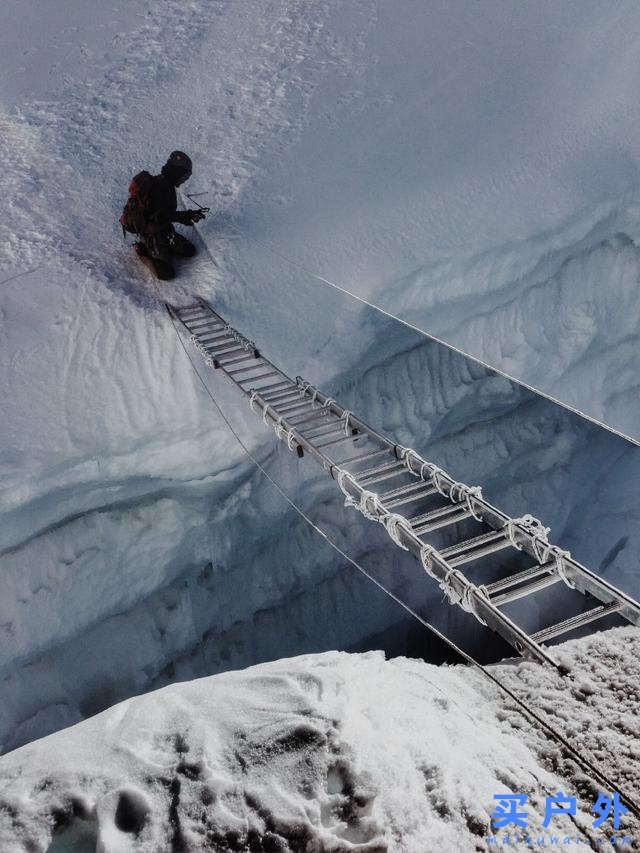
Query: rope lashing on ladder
point(369, 505)
point(454, 596)
point(434, 473)
point(208, 358)
point(463, 598)
point(466, 494)
point(245, 343)
point(458, 492)
point(281, 431)
point(345, 417)
point(543, 549)
point(304, 387)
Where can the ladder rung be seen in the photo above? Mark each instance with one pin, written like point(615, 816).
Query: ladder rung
point(257, 378)
point(188, 320)
point(200, 314)
point(332, 433)
point(231, 349)
point(320, 430)
point(432, 514)
point(209, 324)
point(209, 315)
point(416, 496)
point(413, 486)
point(286, 406)
point(222, 330)
point(338, 440)
point(527, 589)
point(279, 395)
point(469, 544)
point(252, 378)
point(216, 338)
point(381, 472)
point(577, 621)
point(259, 363)
point(291, 407)
point(479, 546)
point(379, 478)
point(237, 360)
point(520, 577)
point(307, 417)
point(459, 514)
point(362, 456)
point(197, 306)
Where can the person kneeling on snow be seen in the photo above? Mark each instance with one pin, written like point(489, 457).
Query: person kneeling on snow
point(151, 210)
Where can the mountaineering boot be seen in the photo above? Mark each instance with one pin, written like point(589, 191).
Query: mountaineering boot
point(180, 246)
point(160, 267)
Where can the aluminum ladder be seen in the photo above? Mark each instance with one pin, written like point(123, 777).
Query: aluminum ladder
point(360, 458)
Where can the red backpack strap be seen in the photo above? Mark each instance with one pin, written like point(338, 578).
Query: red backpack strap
point(136, 210)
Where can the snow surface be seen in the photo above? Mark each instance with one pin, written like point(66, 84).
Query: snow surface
point(384, 150)
point(331, 752)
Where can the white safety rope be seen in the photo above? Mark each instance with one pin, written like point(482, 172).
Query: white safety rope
point(433, 472)
point(460, 492)
point(303, 388)
point(370, 506)
point(252, 400)
point(208, 358)
point(392, 521)
point(281, 431)
point(245, 343)
point(457, 493)
point(542, 548)
point(466, 494)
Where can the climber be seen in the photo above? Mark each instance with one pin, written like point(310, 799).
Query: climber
point(151, 210)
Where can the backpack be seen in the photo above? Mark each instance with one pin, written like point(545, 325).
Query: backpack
point(137, 211)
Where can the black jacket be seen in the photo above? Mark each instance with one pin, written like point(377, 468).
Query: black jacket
point(163, 207)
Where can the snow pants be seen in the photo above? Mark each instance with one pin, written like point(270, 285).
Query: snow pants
point(162, 246)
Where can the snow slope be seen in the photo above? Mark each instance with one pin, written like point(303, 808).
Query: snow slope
point(330, 752)
point(128, 518)
point(481, 180)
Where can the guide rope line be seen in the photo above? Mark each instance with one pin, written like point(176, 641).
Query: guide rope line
point(421, 331)
point(524, 708)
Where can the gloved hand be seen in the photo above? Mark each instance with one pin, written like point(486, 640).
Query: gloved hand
point(189, 217)
point(196, 215)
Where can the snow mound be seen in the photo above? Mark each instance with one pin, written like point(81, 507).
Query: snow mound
point(329, 752)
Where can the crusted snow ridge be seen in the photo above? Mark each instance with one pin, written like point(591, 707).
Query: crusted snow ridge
point(559, 310)
point(330, 752)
